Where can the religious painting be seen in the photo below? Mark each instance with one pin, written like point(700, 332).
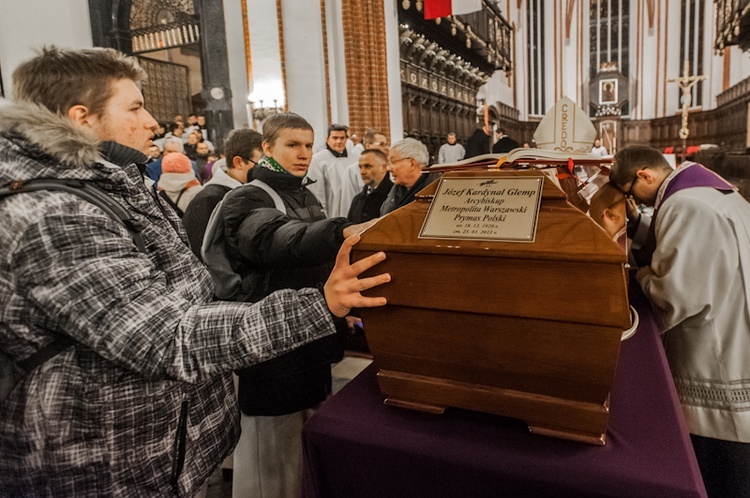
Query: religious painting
point(608, 91)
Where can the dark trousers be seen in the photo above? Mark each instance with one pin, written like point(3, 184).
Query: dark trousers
point(725, 466)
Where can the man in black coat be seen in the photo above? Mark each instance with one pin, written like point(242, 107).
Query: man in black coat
point(373, 167)
point(478, 143)
point(504, 143)
point(274, 249)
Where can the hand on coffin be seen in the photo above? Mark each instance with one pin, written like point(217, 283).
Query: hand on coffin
point(358, 229)
point(343, 288)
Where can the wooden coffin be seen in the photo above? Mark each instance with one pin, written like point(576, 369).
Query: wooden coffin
point(525, 330)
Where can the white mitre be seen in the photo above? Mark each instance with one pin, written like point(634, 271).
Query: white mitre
point(565, 128)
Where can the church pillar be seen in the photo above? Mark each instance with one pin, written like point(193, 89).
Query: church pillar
point(110, 24)
point(215, 69)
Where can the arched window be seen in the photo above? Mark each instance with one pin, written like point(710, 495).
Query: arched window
point(609, 31)
point(692, 20)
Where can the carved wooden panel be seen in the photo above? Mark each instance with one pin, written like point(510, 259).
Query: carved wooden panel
point(167, 91)
point(161, 24)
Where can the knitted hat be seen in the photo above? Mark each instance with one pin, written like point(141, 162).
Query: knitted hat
point(176, 162)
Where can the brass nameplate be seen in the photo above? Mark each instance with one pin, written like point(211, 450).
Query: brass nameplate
point(484, 208)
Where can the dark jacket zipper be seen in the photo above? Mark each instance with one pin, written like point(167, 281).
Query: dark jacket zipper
point(179, 448)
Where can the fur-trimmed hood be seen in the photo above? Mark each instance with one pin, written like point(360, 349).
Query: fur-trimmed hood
point(51, 133)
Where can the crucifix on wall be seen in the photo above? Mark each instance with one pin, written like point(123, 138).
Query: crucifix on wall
point(686, 83)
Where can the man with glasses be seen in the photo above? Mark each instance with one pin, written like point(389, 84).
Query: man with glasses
point(699, 284)
point(406, 159)
point(243, 150)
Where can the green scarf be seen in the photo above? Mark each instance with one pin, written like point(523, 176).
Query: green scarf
point(272, 164)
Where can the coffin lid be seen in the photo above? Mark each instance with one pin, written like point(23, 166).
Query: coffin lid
point(563, 232)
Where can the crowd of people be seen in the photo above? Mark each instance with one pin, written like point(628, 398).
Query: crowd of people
point(123, 354)
point(138, 400)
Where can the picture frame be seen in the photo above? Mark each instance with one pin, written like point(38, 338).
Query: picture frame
point(608, 91)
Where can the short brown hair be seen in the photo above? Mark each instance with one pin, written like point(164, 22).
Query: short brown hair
point(377, 153)
point(241, 142)
point(605, 198)
point(632, 158)
point(60, 78)
point(284, 120)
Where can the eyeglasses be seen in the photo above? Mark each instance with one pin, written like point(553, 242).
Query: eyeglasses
point(381, 144)
point(635, 179)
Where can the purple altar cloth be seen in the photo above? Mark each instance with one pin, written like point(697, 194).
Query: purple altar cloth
point(355, 446)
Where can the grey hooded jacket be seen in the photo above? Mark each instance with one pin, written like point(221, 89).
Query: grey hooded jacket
point(142, 404)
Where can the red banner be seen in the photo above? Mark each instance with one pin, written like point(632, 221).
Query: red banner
point(437, 8)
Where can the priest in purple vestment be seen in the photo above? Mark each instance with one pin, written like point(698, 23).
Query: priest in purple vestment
point(699, 285)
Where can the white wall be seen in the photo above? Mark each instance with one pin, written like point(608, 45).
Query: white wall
point(305, 64)
point(336, 63)
point(568, 71)
point(646, 78)
point(390, 9)
point(267, 82)
point(30, 24)
point(739, 68)
point(236, 58)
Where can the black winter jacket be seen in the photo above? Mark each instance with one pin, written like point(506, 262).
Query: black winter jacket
point(199, 212)
point(366, 207)
point(400, 196)
point(273, 250)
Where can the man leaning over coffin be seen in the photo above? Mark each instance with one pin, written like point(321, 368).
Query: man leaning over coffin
point(619, 216)
point(698, 282)
point(140, 403)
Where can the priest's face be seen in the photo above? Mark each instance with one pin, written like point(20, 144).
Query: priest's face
point(337, 140)
point(645, 185)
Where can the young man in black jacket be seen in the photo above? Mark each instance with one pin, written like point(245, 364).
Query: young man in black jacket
point(274, 250)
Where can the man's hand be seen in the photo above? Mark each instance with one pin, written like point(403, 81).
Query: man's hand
point(632, 209)
point(352, 322)
point(343, 287)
